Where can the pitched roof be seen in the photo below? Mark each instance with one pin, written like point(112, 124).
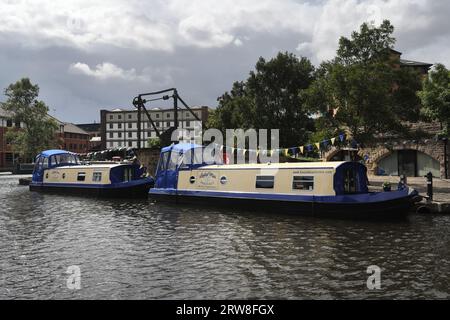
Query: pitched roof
point(71, 128)
point(89, 127)
point(415, 63)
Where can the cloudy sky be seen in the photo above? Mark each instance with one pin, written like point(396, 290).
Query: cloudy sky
point(89, 55)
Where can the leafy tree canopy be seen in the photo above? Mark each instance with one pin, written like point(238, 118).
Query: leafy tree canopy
point(365, 87)
point(39, 129)
point(271, 98)
point(435, 96)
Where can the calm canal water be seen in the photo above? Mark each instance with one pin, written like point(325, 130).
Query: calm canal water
point(136, 250)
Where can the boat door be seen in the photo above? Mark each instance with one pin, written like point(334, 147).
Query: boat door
point(160, 176)
point(167, 173)
point(349, 180)
point(38, 171)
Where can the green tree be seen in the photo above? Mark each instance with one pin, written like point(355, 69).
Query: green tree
point(154, 143)
point(271, 98)
point(364, 85)
point(39, 129)
point(435, 97)
point(236, 109)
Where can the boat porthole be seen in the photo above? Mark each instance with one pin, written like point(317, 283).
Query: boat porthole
point(223, 180)
point(192, 179)
point(63, 175)
point(46, 176)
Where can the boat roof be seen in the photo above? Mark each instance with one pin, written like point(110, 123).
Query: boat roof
point(181, 147)
point(48, 153)
point(286, 165)
point(92, 166)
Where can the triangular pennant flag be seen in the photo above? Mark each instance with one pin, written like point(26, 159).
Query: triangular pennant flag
point(333, 140)
point(318, 145)
point(301, 149)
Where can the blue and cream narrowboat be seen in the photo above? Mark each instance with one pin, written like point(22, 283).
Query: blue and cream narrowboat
point(315, 188)
point(61, 171)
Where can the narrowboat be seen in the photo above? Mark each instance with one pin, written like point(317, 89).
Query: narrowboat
point(336, 189)
point(62, 171)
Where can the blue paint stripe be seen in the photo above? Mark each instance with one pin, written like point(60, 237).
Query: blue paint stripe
point(255, 168)
point(95, 186)
point(351, 198)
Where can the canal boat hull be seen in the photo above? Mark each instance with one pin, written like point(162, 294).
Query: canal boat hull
point(131, 189)
point(396, 204)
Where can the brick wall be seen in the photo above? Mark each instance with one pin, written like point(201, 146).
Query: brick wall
point(149, 158)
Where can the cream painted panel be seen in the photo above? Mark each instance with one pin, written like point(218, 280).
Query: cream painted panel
point(244, 180)
point(71, 175)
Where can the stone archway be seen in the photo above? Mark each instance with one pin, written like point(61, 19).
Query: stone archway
point(430, 148)
point(375, 153)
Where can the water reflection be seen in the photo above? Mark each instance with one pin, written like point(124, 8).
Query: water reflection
point(140, 250)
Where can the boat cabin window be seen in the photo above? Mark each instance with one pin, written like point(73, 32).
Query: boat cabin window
point(127, 174)
point(265, 182)
point(45, 164)
point(97, 176)
point(303, 183)
point(163, 161)
point(38, 165)
point(175, 160)
point(81, 176)
point(64, 158)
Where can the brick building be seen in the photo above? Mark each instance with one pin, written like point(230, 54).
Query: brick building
point(71, 138)
point(75, 139)
point(95, 140)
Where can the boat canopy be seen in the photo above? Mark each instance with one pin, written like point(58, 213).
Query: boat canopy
point(48, 153)
point(181, 147)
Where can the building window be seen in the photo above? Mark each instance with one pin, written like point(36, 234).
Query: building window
point(167, 115)
point(9, 157)
point(119, 116)
point(130, 125)
point(81, 176)
point(168, 123)
point(265, 182)
point(157, 115)
point(97, 176)
point(111, 135)
point(119, 125)
point(303, 183)
point(188, 123)
point(17, 124)
point(9, 123)
point(130, 134)
point(130, 143)
point(111, 117)
point(111, 125)
point(119, 134)
point(129, 116)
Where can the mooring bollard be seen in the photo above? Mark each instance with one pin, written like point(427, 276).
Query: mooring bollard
point(429, 177)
